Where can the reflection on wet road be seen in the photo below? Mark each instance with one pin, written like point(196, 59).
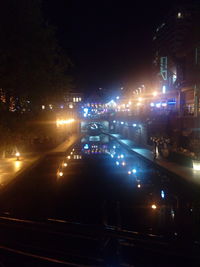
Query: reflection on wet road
point(98, 182)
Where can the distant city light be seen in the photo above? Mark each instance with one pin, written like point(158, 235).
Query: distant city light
point(162, 194)
point(196, 165)
point(123, 163)
point(117, 163)
point(86, 146)
point(153, 206)
point(152, 104)
point(43, 106)
point(129, 172)
point(60, 174)
point(17, 154)
point(65, 164)
point(134, 171)
point(122, 122)
point(155, 93)
point(134, 124)
point(164, 89)
point(114, 147)
point(121, 156)
point(117, 97)
point(64, 122)
point(138, 185)
point(158, 105)
point(114, 121)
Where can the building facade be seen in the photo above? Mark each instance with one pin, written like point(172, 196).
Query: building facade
point(176, 62)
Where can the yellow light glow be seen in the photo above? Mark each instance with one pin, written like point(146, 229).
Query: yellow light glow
point(129, 172)
point(140, 99)
point(60, 174)
point(129, 102)
point(64, 122)
point(155, 93)
point(65, 164)
point(68, 157)
point(196, 165)
point(17, 165)
point(153, 206)
point(17, 154)
point(138, 104)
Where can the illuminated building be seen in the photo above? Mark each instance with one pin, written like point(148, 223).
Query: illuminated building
point(176, 59)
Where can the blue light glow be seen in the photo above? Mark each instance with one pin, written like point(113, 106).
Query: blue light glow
point(158, 105)
point(86, 146)
point(122, 156)
point(152, 104)
point(134, 124)
point(122, 122)
point(117, 163)
point(162, 194)
point(114, 147)
point(164, 89)
point(134, 171)
point(114, 121)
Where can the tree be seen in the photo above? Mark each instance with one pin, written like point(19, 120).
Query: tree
point(32, 66)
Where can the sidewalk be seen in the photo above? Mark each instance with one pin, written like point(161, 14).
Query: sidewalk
point(184, 172)
point(10, 167)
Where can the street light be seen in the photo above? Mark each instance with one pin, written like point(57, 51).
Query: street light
point(17, 154)
point(155, 93)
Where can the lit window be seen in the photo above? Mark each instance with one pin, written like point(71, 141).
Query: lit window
point(74, 99)
point(79, 98)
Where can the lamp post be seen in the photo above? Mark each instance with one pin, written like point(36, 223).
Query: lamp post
point(17, 155)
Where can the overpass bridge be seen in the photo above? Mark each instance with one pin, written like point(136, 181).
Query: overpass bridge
point(94, 126)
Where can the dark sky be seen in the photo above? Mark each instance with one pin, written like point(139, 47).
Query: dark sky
point(108, 42)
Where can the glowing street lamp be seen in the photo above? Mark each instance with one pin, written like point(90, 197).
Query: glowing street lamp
point(17, 154)
point(153, 206)
point(155, 93)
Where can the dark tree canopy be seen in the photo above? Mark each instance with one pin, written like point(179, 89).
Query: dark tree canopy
point(32, 65)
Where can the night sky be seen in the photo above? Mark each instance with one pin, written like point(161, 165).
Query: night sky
point(109, 43)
